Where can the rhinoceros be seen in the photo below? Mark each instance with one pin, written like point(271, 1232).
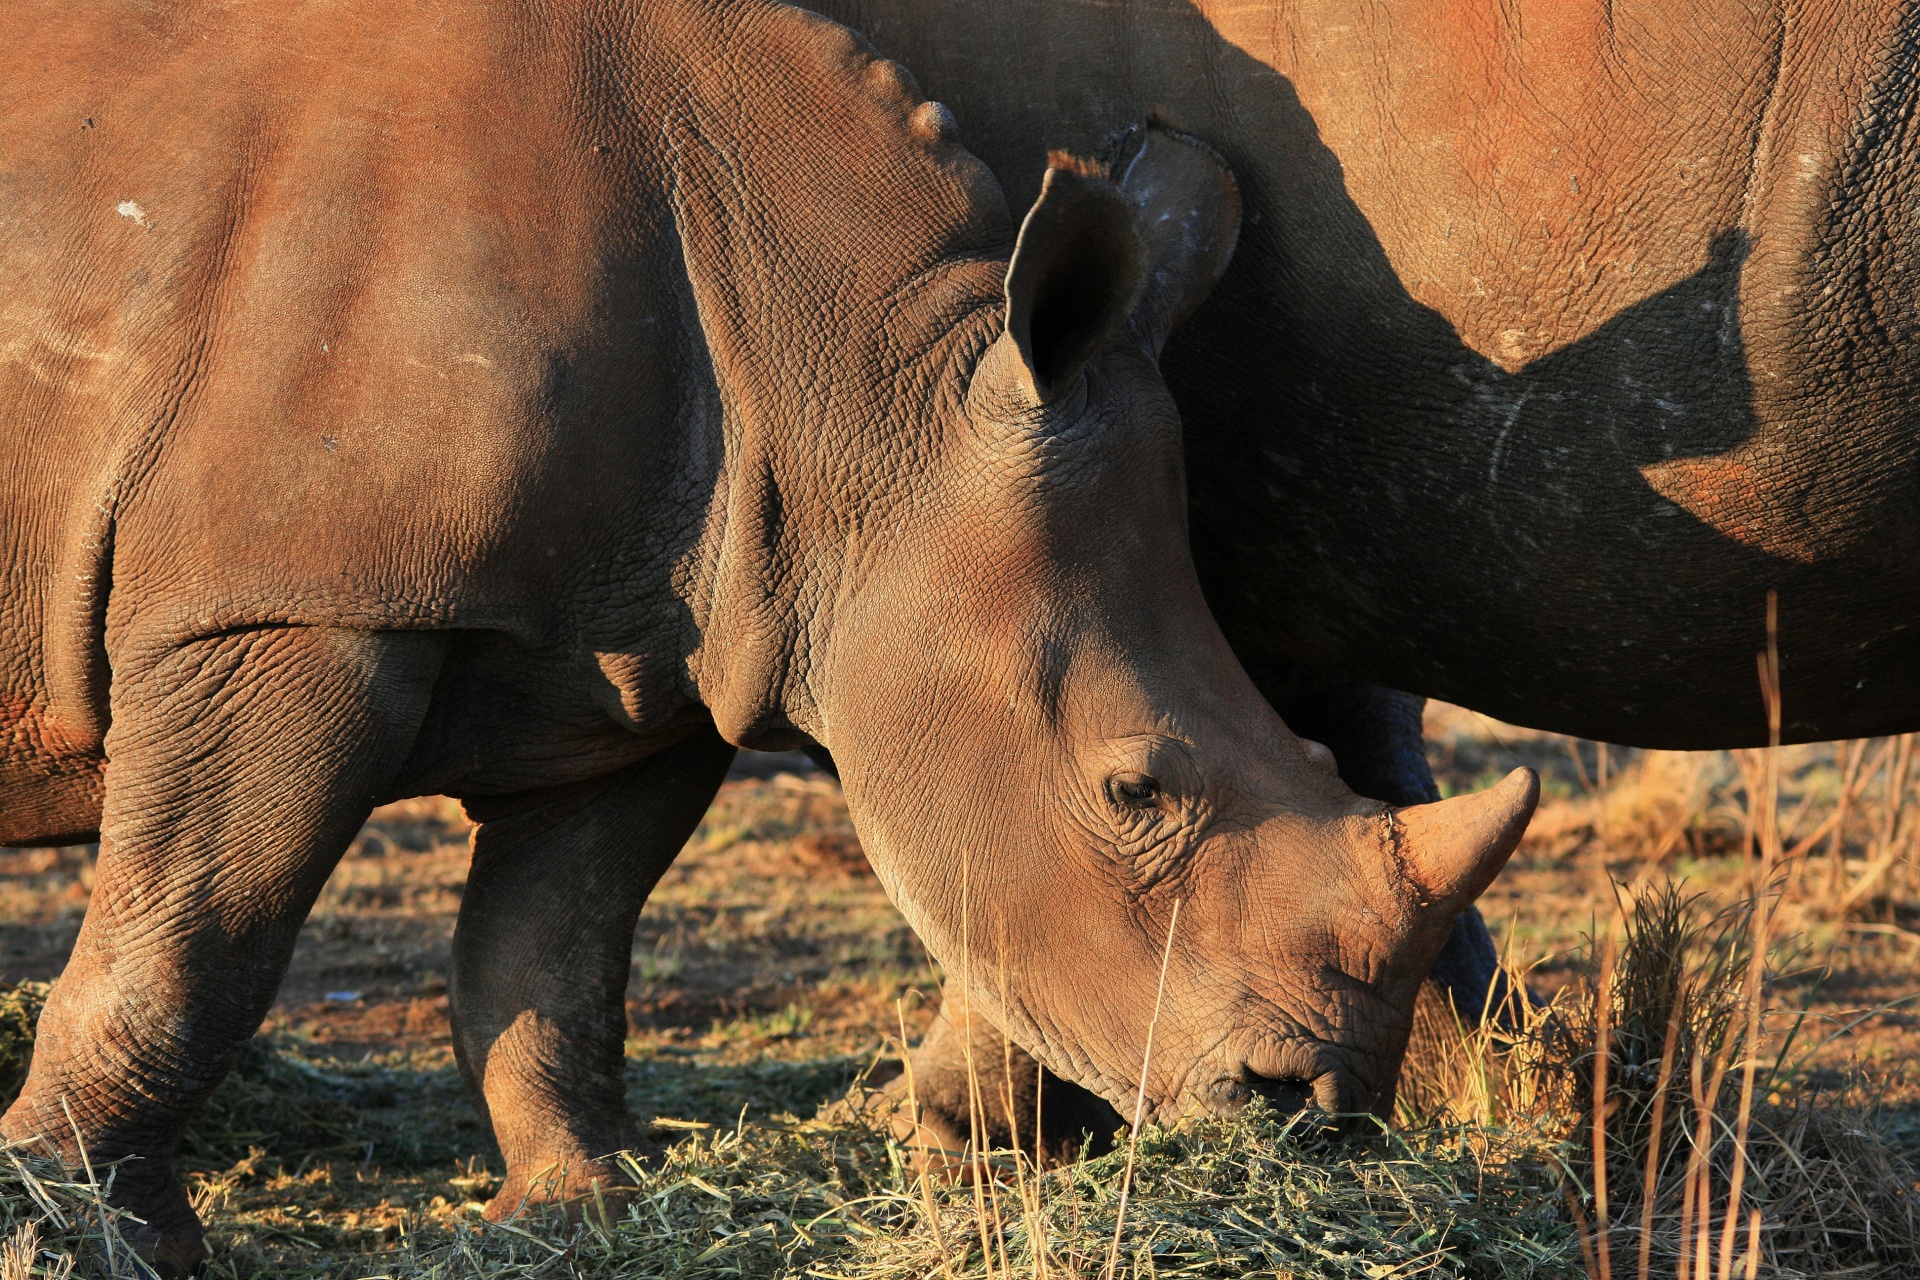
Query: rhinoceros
point(1559, 335)
point(531, 403)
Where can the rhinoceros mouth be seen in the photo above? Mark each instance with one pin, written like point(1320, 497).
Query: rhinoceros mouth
point(1283, 1095)
point(1292, 1075)
point(1329, 1091)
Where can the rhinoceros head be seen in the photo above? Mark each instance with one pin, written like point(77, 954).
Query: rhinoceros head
point(1047, 743)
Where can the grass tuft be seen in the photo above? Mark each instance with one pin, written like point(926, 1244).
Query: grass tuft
point(55, 1221)
point(1834, 1194)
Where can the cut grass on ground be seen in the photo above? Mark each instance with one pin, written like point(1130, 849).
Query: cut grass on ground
point(783, 1197)
point(765, 978)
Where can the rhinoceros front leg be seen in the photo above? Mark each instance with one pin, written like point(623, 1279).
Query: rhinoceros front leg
point(969, 1084)
point(541, 957)
point(240, 768)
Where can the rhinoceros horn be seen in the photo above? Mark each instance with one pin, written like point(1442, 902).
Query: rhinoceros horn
point(1452, 849)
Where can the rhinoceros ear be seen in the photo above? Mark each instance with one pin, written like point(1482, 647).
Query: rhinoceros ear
point(1075, 276)
point(1190, 213)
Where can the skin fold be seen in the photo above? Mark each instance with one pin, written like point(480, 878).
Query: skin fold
point(532, 403)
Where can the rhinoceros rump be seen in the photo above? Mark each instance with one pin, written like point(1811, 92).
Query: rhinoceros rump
point(526, 403)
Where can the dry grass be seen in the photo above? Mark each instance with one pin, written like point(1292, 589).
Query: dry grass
point(769, 970)
point(784, 1197)
point(1689, 1058)
point(1654, 1180)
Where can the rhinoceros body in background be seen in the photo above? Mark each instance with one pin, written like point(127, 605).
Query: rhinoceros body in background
point(530, 402)
point(1558, 336)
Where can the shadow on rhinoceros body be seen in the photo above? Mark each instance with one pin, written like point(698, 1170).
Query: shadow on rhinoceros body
point(1577, 531)
point(1573, 522)
point(1585, 543)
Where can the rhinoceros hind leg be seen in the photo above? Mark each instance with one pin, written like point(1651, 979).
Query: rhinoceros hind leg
point(242, 765)
point(541, 957)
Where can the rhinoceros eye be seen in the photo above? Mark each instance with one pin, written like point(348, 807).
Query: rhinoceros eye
point(1133, 790)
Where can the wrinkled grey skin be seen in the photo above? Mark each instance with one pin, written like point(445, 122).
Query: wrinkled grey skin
point(530, 403)
point(1375, 735)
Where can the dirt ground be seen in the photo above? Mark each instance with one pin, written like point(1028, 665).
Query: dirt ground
point(769, 967)
point(769, 926)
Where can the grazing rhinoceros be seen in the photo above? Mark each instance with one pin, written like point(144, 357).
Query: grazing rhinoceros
point(1559, 334)
point(529, 402)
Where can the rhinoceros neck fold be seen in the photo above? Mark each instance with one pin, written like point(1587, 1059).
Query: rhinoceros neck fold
point(845, 257)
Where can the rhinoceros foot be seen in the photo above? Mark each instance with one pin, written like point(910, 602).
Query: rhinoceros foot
point(171, 1254)
point(572, 1186)
point(166, 1233)
point(161, 1225)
